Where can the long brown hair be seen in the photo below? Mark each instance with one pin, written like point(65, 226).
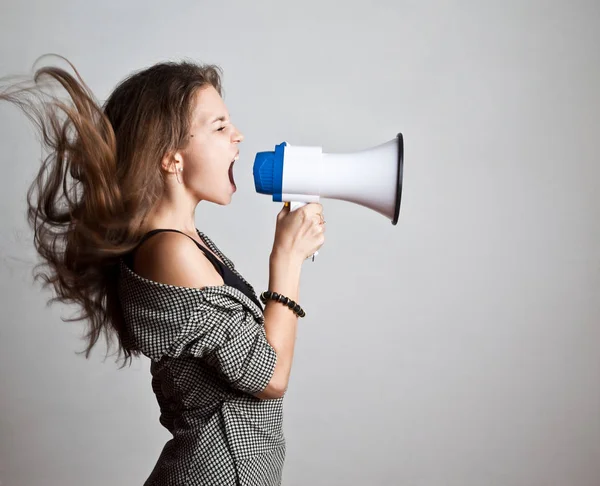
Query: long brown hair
point(101, 178)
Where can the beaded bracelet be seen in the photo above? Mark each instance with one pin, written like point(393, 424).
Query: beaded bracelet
point(268, 295)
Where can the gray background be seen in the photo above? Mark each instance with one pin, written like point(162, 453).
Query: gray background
point(459, 348)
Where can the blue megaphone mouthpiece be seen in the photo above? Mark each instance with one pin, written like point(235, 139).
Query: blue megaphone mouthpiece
point(268, 171)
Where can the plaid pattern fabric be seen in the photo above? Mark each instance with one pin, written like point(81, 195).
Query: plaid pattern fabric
point(209, 354)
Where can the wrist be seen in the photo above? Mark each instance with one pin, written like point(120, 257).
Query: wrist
point(284, 275)
point(282, 299)
point(285, 259)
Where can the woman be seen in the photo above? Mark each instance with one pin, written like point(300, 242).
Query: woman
point(113, 213)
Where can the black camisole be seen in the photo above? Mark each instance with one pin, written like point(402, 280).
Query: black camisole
point(228, 276)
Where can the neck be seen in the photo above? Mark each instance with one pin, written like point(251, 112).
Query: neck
point(174, 211)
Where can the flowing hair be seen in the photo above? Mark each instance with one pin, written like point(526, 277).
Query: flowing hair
point(101, 178)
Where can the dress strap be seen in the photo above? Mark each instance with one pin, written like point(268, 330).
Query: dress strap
point(214, 260)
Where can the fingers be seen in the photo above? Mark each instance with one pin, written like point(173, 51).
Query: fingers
point(318, 219)
point(311, 212)
point(314, 208)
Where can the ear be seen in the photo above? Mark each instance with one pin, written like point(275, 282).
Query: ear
point(171, 162)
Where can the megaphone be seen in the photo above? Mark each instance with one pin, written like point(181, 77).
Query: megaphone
point(371, 178)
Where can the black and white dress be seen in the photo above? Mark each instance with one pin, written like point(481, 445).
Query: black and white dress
point(209, 354)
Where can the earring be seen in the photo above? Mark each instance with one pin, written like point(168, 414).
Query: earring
point(179, 169)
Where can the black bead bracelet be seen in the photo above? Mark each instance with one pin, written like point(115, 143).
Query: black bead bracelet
point(268, 295)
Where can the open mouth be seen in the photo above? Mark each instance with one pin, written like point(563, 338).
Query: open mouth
point(231, 173)
point(231, 179)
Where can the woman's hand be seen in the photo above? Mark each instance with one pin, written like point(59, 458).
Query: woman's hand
point(300, 233)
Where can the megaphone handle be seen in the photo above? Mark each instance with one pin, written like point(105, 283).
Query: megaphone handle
point(293, 206)
point(296, 204)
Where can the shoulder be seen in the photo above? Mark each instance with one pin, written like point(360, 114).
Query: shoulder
point(174, 259)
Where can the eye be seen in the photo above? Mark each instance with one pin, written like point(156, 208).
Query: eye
point(220, 129)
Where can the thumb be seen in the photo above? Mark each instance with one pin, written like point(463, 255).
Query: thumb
point(284, 210)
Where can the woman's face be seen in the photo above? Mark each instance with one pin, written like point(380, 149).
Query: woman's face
point(212, 148)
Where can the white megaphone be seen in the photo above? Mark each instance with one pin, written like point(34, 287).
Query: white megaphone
point(371, 178)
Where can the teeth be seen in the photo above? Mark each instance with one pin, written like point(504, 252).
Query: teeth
point(236, 158)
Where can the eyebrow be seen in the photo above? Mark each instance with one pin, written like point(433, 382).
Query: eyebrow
point(219, 118)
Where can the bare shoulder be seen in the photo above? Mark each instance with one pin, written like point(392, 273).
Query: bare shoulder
point(174, 259)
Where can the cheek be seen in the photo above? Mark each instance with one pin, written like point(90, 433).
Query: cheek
point(203, 163)
point(203, 172)
point(205, 149)
point(197, 157)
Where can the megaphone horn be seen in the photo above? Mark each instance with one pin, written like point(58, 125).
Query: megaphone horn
point(371, 178)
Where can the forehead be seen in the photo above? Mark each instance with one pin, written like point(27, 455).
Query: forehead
point(208, 106)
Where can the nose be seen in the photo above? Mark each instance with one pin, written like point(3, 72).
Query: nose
point(237, 136)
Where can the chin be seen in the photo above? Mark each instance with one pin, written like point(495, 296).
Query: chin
point(225, 201)
point(222, 199)
point(231, 193)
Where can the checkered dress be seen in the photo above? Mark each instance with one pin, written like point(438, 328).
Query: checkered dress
point(209, 353)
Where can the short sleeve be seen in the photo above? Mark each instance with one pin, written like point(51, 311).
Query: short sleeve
point(230, 340)
point(220, 325)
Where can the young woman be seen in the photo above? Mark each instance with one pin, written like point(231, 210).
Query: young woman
point(113, 214)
